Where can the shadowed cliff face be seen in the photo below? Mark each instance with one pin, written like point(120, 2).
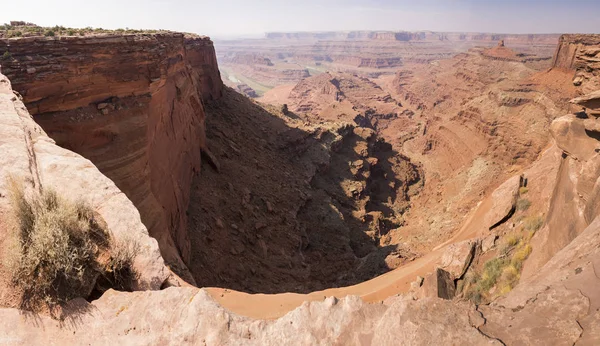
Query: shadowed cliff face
point(131, 104)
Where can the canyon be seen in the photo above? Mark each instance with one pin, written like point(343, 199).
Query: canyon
point(347, 206)
point(292, 57)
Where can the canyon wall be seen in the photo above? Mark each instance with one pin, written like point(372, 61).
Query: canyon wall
point(580, 53)
point(133, 105)
point(31, 157)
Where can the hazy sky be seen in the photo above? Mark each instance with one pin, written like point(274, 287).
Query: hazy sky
point(219, 18)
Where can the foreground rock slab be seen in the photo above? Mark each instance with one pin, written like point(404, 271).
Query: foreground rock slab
point(188, 316)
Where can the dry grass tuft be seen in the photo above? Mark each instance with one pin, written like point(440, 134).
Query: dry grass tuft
point(523, 204)
point(533, 223)
point(56, 257)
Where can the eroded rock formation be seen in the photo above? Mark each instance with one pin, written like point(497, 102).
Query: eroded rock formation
point(580, 53)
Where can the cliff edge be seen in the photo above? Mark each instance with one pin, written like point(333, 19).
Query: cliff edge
point(133, 105)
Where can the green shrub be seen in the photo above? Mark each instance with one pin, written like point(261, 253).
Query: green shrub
point(49, 33)
point(6, 56)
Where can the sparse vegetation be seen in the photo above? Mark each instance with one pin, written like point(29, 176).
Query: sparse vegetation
point(29, 29)
point(523, 204)
point(502, 273)
point(62, 249)
point(6, 56)
point(533, 223)
point(523, 190)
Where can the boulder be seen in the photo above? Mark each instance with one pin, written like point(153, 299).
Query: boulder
point(488, 243)
point(504, 200)
point(438, 284)
point(572, 135)
point(457, 258)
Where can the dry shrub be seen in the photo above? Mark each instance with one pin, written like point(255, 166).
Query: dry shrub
point(59, 245)
point(502, 272)
point(523, 204)
point(119, 269)
point(533, 223)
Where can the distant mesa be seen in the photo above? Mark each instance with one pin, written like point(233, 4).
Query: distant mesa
point(247, 90)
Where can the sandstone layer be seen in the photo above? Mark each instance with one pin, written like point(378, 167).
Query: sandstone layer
point(580, 53)
point(133, 105)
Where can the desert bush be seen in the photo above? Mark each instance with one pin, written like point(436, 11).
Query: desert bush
point(502, 272)
point(520, 256)
point(119, 269)
point(533, 223)
point(49, 33)
point(509, 243)
point(58, 253)
point(523, 204)
point(523, 190)
point(6, 56)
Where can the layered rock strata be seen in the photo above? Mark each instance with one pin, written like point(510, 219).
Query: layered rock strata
point(133, 105)
point(29, 155)
point(580, 53)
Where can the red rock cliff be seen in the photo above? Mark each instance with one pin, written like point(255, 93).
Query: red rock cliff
point(133, 105)
point(580, 53)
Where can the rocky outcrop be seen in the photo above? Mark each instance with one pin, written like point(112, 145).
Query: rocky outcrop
point(581, 54)
point(458, 257)
point(557, 306)
point(575, 202)
point(132, 104)
point(28, 154)
point(189, 316)
point(504, 200)
point(247, 59)
point(591, 102)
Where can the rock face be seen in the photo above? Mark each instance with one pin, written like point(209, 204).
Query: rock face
point(504, 200)
point(28, 154)
point(575, 201)
point(590, 101)
point(132, 104)
point(439, 284)
point(189, 316)
point(458, 257)
point(580, 53)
